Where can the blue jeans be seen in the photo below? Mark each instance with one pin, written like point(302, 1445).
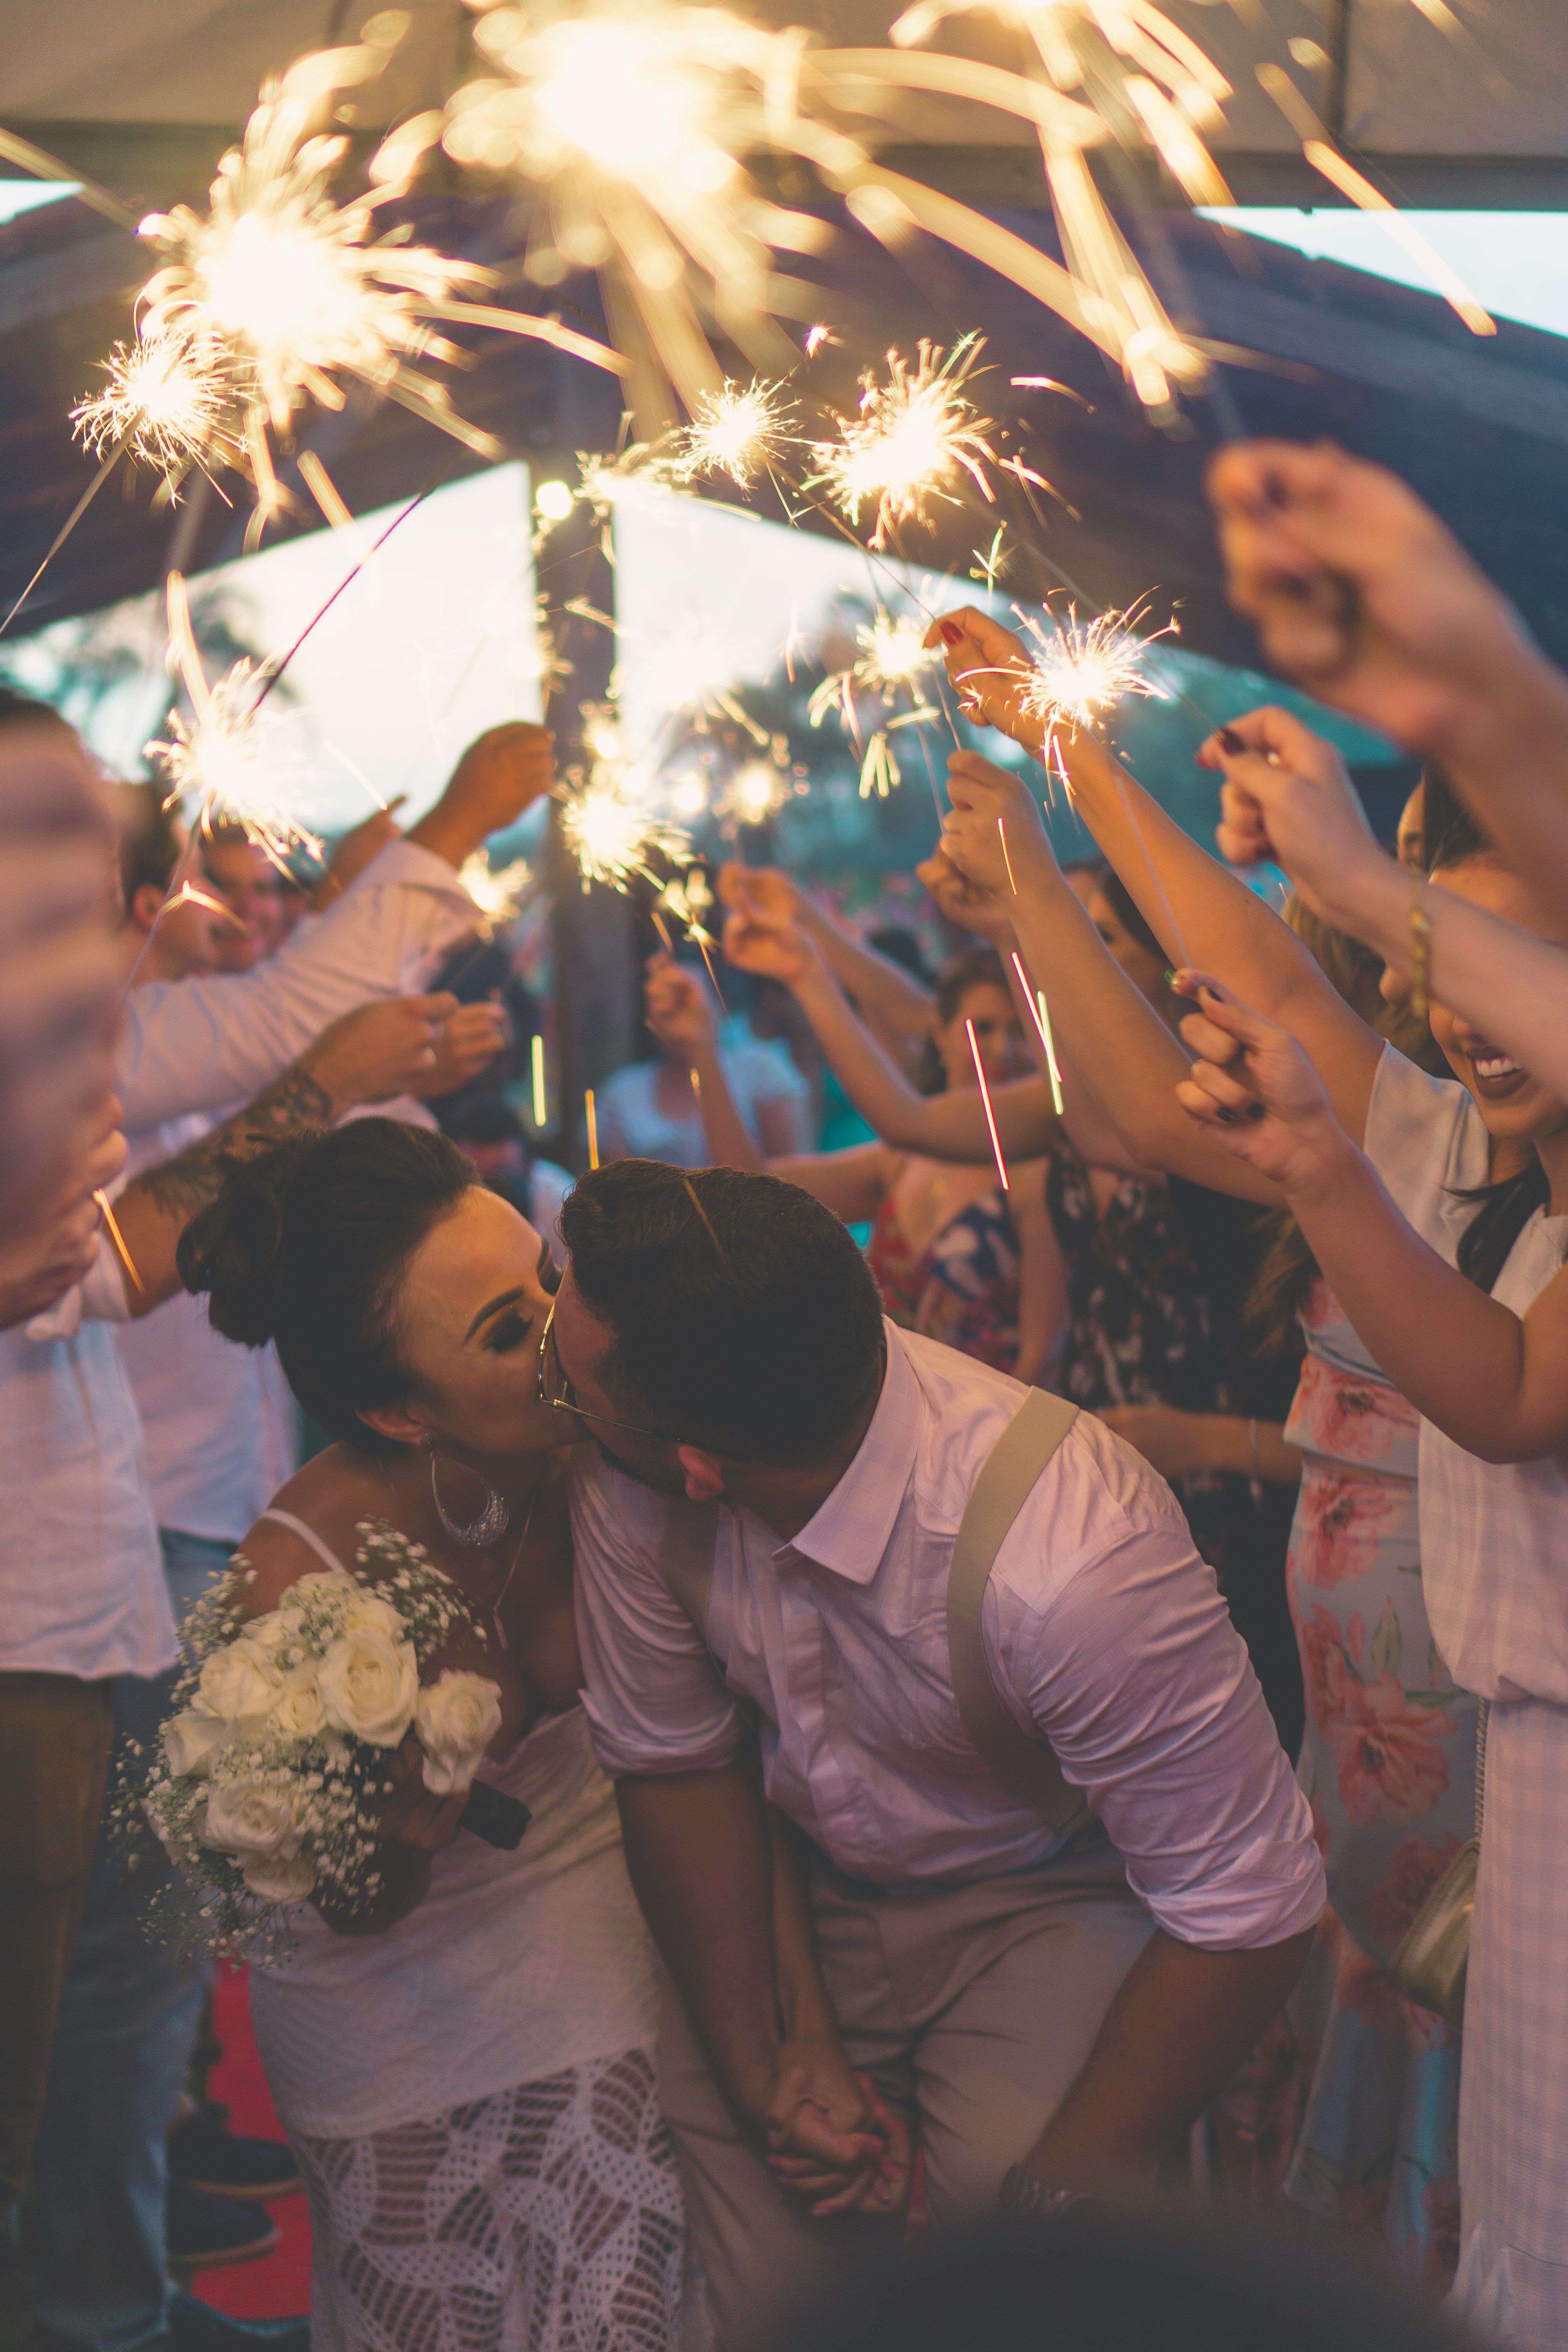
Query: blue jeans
point(126, 2026)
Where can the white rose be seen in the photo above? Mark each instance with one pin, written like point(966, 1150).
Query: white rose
point(252, 1818)
point(189, 1740)
point(370, 1685)
point(237, 1681)
point(456, 1719)
point(280, 1878)
point(299, 1709)
point(368, 1613)
point(318, 1584)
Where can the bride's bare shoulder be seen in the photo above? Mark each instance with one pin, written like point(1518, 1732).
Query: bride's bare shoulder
point(333, 1492)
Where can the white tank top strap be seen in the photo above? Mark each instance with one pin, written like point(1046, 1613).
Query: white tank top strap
point(307, 1535)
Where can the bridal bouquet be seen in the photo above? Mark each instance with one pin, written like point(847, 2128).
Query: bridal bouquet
point(274, 1763)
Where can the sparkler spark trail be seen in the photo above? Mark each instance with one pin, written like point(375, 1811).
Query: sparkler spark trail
point(741, 431)
point(913, 439)
point(892, 656)
point(1007, 860)
point(593, 1120)
point(985, 1098)
point(111, 1226)
point(536, 1057)
point(626, 119)
point(1145, 83)
point(1035, 1000)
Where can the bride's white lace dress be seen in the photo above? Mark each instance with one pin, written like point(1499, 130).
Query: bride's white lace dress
point(471, 2097)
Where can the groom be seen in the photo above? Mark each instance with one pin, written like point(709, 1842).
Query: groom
point(766, 1536)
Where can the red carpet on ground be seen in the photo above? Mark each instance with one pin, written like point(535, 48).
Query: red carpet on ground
point(279, 2285)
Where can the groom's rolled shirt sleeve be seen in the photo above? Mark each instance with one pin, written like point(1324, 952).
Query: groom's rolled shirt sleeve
point(653, 1695)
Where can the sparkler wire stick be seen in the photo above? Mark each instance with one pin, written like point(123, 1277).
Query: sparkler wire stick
point(66, 529)
point(985, 1098)
point(275, 673)
point(47, 167)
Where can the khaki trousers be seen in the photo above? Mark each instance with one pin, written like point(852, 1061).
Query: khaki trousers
point(973, 2008)
point(54, 1735)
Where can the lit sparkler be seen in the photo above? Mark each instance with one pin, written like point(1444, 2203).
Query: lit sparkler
point(224, 762)
point(985, 1098)
point(498, 892)
point(628, 118)
point(170, 401)
point(913, 439)
point(690, 902)
point(892, 656)
point(607, 823)
point(1146, 83)
point(741, 431)
point(1082, 670)
point(754, 793)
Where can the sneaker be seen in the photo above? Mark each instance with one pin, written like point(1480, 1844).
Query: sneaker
point(207, 2155)
point(204, 2230)
point(195, 2327)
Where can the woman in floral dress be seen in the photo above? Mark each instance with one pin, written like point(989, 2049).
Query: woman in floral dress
point(1351, 2104)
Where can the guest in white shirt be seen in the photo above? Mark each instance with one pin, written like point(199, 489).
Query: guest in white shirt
point(83, 1584)
point(1052, 2011)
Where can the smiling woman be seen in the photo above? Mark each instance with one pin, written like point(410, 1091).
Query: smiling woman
point(408, 1304)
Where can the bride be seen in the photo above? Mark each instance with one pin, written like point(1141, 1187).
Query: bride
point(466, 2074)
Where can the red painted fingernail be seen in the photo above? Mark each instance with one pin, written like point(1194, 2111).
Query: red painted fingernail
point(952, 632)
point(1229, 740)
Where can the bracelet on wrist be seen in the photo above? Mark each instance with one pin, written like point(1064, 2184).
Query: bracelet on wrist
point(1024, 2197)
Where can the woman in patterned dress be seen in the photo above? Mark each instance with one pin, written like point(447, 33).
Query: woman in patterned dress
point(465, 2071)
point(954, 1257)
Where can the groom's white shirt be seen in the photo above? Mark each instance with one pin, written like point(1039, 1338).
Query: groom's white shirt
point(1103, 1629)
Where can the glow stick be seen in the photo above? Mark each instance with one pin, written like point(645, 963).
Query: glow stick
point(985, 1098)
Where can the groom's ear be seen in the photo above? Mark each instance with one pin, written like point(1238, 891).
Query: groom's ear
point(703, 1474)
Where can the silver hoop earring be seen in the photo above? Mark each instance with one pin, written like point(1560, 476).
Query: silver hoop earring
point(477, 1533)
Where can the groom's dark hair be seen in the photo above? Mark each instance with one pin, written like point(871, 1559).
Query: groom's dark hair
point(744, 1316)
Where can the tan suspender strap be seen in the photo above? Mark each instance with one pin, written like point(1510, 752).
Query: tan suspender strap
point(685, 1554)
point(998, 1495)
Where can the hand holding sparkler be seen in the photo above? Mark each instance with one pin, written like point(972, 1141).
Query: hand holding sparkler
point(990, 670)
point(502, 772)
point(464, 1046)
point(966, 903)
point(992, 833)
point(680, 1010)
point(60, 1247)
point(1287, 797)
point(1361, 594)
point(378, 1050)
point(1253, 1089)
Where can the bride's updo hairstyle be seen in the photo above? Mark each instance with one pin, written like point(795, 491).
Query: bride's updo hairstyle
point(307, 1244)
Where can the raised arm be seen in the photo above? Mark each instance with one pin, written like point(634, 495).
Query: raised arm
point(204, 1043)
point(891, 1000)
point(680, 1015)
point(1508, 984)
point(1110, 1028)
point(1200, 913)
point(379, 1051)
point(1494, 1382)
point(1361, 594)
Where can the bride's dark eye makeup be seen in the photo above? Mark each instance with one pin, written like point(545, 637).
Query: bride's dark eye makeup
point(507, 1332)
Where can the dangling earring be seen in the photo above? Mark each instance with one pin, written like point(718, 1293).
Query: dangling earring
point(477, 1533)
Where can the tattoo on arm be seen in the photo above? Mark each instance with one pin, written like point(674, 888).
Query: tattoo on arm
point(179, 1187)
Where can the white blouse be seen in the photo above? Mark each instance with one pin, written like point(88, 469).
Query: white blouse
point(1494, 1535)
